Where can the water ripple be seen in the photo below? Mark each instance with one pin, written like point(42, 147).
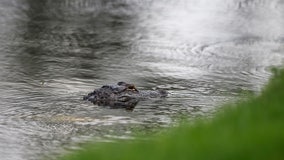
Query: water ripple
point(205, 53)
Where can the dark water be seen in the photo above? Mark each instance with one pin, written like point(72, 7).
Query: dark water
point(205, 53)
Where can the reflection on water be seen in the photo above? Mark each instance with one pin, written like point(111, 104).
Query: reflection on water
point(52, 53)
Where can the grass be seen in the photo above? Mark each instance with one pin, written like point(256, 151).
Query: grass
point(253, 129)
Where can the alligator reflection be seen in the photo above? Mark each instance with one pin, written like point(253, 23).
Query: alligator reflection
point(122, 95)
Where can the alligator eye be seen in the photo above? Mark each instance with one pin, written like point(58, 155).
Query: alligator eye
point(132, 87)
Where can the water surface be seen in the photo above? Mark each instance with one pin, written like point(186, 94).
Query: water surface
point(205, 53)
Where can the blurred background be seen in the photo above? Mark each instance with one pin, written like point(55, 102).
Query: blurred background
point(204, 52)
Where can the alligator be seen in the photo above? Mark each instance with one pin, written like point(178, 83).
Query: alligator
point(122, 95)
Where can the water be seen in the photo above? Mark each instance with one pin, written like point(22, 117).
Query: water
point(204, 52)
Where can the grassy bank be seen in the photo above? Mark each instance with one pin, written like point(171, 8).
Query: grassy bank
point(249, 130)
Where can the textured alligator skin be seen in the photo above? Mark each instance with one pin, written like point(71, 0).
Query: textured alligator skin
point(122, 95)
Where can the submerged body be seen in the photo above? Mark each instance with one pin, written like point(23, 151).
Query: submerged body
point(122, 95)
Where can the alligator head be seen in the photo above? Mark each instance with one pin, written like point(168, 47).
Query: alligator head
point(121, 95)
